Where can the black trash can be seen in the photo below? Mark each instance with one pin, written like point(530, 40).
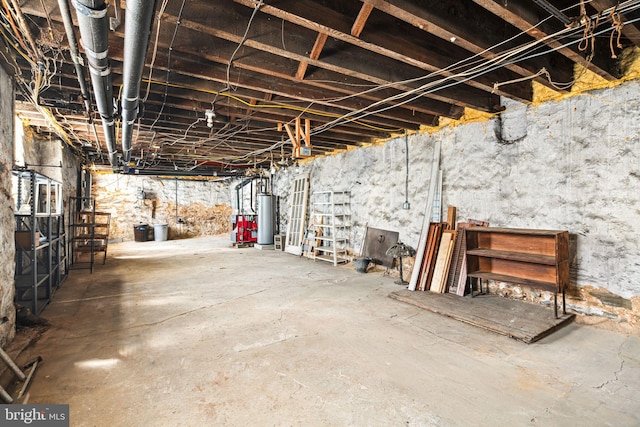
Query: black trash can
point(141, 232)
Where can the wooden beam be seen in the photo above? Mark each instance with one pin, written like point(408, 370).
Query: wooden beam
point(298, 133)
point(630, 31)
point(307, 133)
point(361, 20)
point(315, 54)
point(269, 74)
point(295, 140)
point(381, 69)
point(397, 59)
point(252, 102)
point(466, 31)
point(520, 15)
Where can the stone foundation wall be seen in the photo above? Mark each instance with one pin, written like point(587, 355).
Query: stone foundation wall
point(569, 165)
point(51, 157)
point(190, 208)
point(7, 245)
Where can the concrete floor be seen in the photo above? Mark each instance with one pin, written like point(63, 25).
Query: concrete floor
point(196, 332)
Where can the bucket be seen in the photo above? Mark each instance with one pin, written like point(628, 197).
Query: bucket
point(141, 232)
point(361, 264)
point(160, 232)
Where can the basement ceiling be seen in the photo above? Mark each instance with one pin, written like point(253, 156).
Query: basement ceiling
point(228, 84)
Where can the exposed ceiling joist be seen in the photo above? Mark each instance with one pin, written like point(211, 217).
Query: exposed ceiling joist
point(357, 70)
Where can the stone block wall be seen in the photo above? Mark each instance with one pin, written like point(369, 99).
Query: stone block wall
point(571, 165)
point(7, 245)
point(54, 159)
point(190, 208)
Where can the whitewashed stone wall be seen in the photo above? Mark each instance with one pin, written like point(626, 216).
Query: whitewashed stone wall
point(52, 158)
point(7, 245)
point(189, 207)
point(572, 165)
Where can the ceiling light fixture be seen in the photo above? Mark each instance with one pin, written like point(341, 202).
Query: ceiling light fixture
point(210, 115)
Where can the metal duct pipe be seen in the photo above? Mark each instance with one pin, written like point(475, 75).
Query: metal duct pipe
point(75, 55)
point(94, 34)
point(553, 11)
point(137, 31)
point(163, 172)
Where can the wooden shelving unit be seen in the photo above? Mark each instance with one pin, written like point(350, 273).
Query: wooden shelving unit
point(534, 258)
point(331, 219)
point(90, 233)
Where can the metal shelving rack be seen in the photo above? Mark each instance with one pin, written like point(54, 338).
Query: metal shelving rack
point(41, 245)
point(331, 220)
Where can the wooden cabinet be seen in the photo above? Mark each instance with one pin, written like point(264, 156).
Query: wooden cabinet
point(534, 258)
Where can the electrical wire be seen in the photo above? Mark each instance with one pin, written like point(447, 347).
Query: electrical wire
point(463, 71)
point(155, 48)
point(244, 38)
point(166, 88)
point(425, 88)
point(231, 60)
point(419, 94)
point(508, 57)
point(275, 106)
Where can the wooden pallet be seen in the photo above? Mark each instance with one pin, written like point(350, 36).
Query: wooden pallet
point(520, 320)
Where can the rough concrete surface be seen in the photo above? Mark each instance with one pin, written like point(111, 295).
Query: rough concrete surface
point(197, 332)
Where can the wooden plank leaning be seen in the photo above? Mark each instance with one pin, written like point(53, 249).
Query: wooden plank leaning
point(435, 166)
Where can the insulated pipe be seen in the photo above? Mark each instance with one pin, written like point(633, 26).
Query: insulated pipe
point(137, 31)
point(94, 32)
point(75, 55)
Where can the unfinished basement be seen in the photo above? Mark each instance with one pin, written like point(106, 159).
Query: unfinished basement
point(320, 213)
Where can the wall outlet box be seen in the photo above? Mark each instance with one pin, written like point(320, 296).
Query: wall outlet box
point(305, 151)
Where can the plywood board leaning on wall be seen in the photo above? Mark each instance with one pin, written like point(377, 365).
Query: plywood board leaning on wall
point(420, 250)
point(443, 261)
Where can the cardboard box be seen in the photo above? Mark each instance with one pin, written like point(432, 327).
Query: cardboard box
point(23, 239)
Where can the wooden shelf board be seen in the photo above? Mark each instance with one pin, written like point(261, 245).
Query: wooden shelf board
point(330, 258)
point(513, 256)
point(524, 231)
point(330, 239)
point(551, 286)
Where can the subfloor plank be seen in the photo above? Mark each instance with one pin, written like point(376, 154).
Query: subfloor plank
point(521, 320)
